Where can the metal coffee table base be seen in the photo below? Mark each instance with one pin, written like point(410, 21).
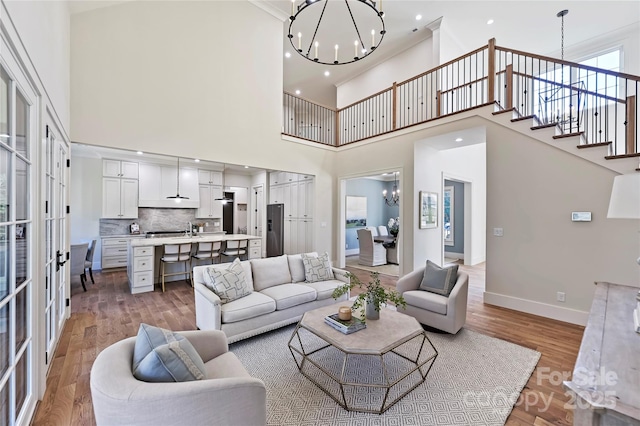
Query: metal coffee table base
point(388, 383)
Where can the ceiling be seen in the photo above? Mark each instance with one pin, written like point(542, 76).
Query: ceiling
point(531, 26)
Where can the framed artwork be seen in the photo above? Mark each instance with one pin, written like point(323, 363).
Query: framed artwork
point(356, 212)
point(428, 210)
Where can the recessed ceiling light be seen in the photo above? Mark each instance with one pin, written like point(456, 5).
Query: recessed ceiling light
point(197, 160)
point(287, 54)
point(418, 17)
point(140, 152)
point(458, 139)
point(490, 21)
point(297, 92)
point(246, 167)
point(327, 73)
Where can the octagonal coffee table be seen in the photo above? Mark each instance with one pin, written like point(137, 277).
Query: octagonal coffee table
point(366, 371)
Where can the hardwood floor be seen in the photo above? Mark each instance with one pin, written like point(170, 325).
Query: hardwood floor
point(107, 312)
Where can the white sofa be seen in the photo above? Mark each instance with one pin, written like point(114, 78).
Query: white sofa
point(280, 297)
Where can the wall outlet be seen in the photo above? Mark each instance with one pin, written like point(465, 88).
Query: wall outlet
point(560, 296)
point(498, 232)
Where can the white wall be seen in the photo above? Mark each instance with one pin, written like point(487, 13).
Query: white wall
point(157, 76)
point(85, 193)
point(532, 188)
point(44, 29)
point(469, 164)
point(409, 63)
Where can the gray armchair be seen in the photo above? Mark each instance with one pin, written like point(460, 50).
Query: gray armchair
point(371, 253)
point(444, 313)
point(228, 396)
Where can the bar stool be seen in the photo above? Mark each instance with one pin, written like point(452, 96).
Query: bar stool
point(176, 253)
point(236, 248)
point(206, 251)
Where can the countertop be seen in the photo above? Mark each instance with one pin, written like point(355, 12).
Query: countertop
point(148, 242)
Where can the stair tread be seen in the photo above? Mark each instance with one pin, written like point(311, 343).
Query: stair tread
point(615, 157)
point(504, 111)
point(568, 135)
point(544, 126)
point(526, 117)
point(593, 145)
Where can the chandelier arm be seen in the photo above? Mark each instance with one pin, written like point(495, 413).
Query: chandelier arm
point(354, 24)
point(317, 26)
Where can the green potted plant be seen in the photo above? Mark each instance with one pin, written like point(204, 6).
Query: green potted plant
point(373, 296)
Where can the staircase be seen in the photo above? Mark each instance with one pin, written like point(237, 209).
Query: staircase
point(574, 143)
point(589, 112)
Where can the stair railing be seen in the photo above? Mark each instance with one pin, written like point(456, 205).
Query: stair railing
point(598, 104)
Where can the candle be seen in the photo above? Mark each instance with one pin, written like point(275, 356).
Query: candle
point(355, 49)
point(344, 313)
point(299, 41)
point(336, 53)
point(373, 38)
point(316, 44)
point(292, 6)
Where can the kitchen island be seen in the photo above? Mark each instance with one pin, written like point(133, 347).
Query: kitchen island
point(144, 256)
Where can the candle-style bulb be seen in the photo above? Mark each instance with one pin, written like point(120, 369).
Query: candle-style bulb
point(373, 38)
point(316, 45)
point(355, 49)
point(336, 58)
point(300, 41)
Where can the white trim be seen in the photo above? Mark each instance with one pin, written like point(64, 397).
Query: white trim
point(351, 252)
point(454, 255)
point(537, 308)
point(271, 10)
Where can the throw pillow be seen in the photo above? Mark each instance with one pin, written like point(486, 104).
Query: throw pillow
point(439, 280)
point(317, 268)
point(163, 356)
point(229, 284)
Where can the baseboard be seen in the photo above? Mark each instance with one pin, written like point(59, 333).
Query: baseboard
point(537, 308)
point(453, 255)
point(477, 260)
point(352, 252)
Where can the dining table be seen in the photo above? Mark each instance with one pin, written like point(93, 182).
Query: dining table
point(385, 239)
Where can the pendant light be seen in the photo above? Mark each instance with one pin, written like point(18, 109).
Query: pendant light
point(178, 198)
point(224, 199)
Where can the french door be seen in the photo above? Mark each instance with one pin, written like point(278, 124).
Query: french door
point(56, 254)
point(17, 134)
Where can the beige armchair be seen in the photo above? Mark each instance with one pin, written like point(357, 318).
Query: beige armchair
point(444, 313)
point(371, 253)
point(228, 396)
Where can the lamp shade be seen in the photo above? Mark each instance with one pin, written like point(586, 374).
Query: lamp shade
point(625, 197)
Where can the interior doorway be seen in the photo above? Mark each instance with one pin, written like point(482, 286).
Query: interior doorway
point(227, 213)
point(456, 220)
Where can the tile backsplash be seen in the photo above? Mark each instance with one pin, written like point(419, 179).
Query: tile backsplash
point(157, 219)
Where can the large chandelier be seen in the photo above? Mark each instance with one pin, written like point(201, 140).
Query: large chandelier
point(351, 30)
point(395, 193)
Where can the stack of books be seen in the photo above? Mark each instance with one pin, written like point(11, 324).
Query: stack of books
point(346, 327)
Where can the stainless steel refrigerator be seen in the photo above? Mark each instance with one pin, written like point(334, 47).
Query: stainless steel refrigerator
point(275, 230)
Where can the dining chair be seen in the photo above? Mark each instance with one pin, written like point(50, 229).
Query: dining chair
point(236, 248)
point(373, 229)
point(370, 253)
point(88, 263)
point(173, 254)
point(382, 230)
point(77, 257)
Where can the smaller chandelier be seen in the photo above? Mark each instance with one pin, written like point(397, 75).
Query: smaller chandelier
point(395, 193)
point(321, 44)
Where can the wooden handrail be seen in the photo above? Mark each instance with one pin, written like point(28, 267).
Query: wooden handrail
point(572, 64)
point(365, 99)
point(568, 86)
point(446, 64)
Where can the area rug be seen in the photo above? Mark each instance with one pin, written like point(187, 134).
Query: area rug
point(388, 269)
point(475, 380)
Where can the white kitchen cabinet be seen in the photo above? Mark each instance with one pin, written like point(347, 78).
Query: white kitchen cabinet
point(140, 269)
point(276, 194)
point(291, 236)
point(157, 182)
point(290, 196)
point(210, 205)
point(255, 249)
point(305, 199)
point(305, 235)
point(209, 177)
point(114, 252)
point(121, 169)
point(119, 198)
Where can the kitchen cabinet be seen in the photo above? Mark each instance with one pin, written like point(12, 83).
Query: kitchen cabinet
point(119, 169)
point(255, 249)
point(290, 196)
point(209, 206)
point(119, 198)
point(305, 199)
point(276, 195)
point(140, 269)
point(114, 252)
point(158, 181)
point(296, 192)
point(209, 177)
